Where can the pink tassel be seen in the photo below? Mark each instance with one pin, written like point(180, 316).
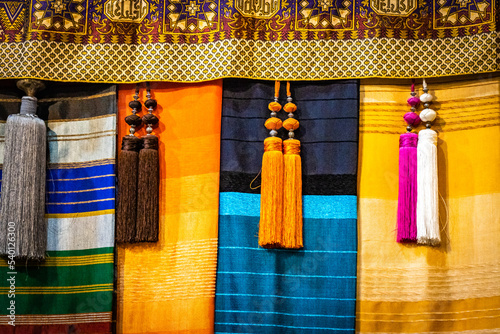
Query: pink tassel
point(407, 202)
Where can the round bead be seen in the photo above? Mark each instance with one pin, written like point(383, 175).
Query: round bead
point(428, 115)
point(273, 133)
point(150, 103)
point(413, 101)
point(135, 105)
point(412, 119)
point(291, 134)
point(290, 107)
point(291, 124)
point(426, 97)
point(274, 106)
point(150, 119)
point(133, 120)
point(273, 123)
point(408, 128)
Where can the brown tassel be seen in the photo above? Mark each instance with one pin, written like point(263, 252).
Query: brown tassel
point(128, 163)
point(292, 197)
point(147, 227)
point(271, 196)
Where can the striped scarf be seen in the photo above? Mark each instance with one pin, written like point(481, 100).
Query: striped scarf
point(72, 291)
point(293, 291)
point(453, 288)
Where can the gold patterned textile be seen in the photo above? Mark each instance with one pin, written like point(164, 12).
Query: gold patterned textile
point(197, 40)
point(453, 288)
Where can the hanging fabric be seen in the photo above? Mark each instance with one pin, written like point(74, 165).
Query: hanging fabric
point(148, 179)
point(407, 202)
point(72, 290)
point(128, 166)
point(23, 229)
point(455, 286)
point(289, 290)
point(168, 286)
point(428, 232)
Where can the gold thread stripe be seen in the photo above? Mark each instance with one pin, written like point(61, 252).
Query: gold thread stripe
point(458, 128)
point(439, 122)
point(56, 135)
point(46, 290)
point(455, 103)
point(83, 202)
point(83, 178)
point(72, 165)
point(79, 119)
point(71, 287)
point(83, 138)
point(443, 109)
point(463, 113)
point(73, 260)
point(72, 119)
point(428, 313)
point(428, 320)
point(53, 319)
point(77, 98)
point(10, 100)
point(79, 191)
point(80, 214)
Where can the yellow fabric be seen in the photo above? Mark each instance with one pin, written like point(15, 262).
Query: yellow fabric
point(453, 288)
point(169, 286)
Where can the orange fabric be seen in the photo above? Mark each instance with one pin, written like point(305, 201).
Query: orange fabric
point(169, 286)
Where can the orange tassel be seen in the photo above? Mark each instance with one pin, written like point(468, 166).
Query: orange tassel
point(292, 197)
point(271, 195)
point(292, 215)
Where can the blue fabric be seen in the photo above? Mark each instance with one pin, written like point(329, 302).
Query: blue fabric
point(312, 290)
point(82, 189)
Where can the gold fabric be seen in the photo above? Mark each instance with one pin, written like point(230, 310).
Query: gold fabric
point(453, 288)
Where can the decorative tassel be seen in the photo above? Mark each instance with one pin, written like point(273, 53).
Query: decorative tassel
point(147, 227)
point(271, 196)
point(23, 229)
point(407, 201)
point(128, 163)
point(428, 232)
point(292, 197)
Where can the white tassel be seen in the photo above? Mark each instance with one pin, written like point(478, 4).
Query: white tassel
point(428, 232)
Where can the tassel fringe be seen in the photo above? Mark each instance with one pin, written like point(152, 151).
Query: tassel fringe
point(428, 232)
point(23, 184)
point(126, 205)
point(271, 205)
point(292, 215)
point(147, 228)
point(407, 200)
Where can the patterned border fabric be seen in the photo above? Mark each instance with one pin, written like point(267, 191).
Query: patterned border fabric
point(199, 40)
point(72, 290)
point(453, 288)
point(289, 291)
